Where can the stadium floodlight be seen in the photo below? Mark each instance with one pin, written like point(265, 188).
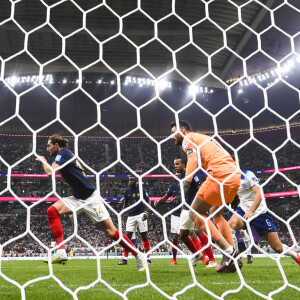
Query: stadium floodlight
point(193, 89)
point(112, 82)
point(64, 81)
point(240, 91)
point(99, 81)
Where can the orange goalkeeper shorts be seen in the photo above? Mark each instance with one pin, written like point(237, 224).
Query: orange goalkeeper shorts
point(210, 191)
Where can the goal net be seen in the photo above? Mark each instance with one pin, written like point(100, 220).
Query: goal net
point(111, 76)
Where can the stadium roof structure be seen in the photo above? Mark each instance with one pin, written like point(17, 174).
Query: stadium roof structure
point(173, 33)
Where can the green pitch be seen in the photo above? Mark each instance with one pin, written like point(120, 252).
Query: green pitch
point(263, 275)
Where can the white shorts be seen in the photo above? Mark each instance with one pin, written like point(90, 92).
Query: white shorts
point(175, 224)
point(186, 223)
point(94, 208)
point(135, 222)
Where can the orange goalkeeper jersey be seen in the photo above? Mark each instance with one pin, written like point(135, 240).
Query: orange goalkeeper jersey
point(214, 158)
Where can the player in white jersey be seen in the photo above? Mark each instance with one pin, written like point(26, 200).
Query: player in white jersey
point(251, 205)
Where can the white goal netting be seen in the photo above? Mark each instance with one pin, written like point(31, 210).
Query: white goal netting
point(110, 76)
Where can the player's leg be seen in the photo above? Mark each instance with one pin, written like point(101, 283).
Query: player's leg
point(175, 228)
point(108, 227)
point(209, 252)
point(222, 224)
point(198, 246)
point(186, 224)
point(235, 224)
point(126, 250)
point(53, 213)
point(202, 208)
point(247, 242)
point(143, 227)
point(277, 246)
point(174, 251)
point(96, 210)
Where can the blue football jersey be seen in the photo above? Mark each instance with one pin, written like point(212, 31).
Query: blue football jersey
point(173, 192)
point(194, 185)
point(74, 175)
point(132, 196)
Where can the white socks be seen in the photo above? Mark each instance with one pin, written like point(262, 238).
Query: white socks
point(247, 241)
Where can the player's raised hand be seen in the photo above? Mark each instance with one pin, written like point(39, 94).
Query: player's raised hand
point(156, 202)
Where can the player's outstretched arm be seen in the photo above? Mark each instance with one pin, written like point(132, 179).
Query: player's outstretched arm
point(256, 201)
point(192, 164)
point(47, 169)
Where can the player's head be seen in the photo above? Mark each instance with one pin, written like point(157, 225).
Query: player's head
point(55, 143)
point(180, 164)
point(185, 127)
point(132, 181)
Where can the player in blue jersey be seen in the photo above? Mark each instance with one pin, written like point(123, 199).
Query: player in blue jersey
point(186, 223)
point(175, 217)
point(251, 205)
point(84, 196)
point(137, 216)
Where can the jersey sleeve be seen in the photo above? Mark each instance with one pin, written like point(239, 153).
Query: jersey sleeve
point(188, 145)
point(251, 179)
point(197, 180)
point(62, 157)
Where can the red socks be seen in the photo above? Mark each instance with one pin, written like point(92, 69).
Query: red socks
point(147, 247)
point(204, 241)
point(123, 244)
point(191, 246)
point(126, 253)
point(55, 226)
point(174, 250)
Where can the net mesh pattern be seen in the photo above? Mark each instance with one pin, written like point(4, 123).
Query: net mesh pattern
point(120, 33)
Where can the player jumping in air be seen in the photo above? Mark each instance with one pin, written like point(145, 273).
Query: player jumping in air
point(251, 205)
point(137, 216)
point(84, 192)
point(219, 164)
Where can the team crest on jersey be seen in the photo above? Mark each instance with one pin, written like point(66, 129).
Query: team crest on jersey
point(58, 158)
point(184, 146)
point(244, 185)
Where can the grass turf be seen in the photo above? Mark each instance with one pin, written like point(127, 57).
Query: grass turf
point(263, 275)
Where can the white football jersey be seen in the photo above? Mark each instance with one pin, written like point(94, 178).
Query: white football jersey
point(247, 195)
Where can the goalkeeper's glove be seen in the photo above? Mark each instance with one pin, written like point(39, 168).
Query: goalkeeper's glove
point(145, 216)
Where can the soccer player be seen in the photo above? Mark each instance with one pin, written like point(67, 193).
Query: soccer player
point(251, 205)
point(219, 164)
point(137, 216)
point(84, 192)
point(187, 233)
point(175, 217)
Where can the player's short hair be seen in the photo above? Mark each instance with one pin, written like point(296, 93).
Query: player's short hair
point(182, 123)
point(182, 159)
point(56, 138)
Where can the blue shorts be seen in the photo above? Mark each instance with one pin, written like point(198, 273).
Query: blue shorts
point(263, 223)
